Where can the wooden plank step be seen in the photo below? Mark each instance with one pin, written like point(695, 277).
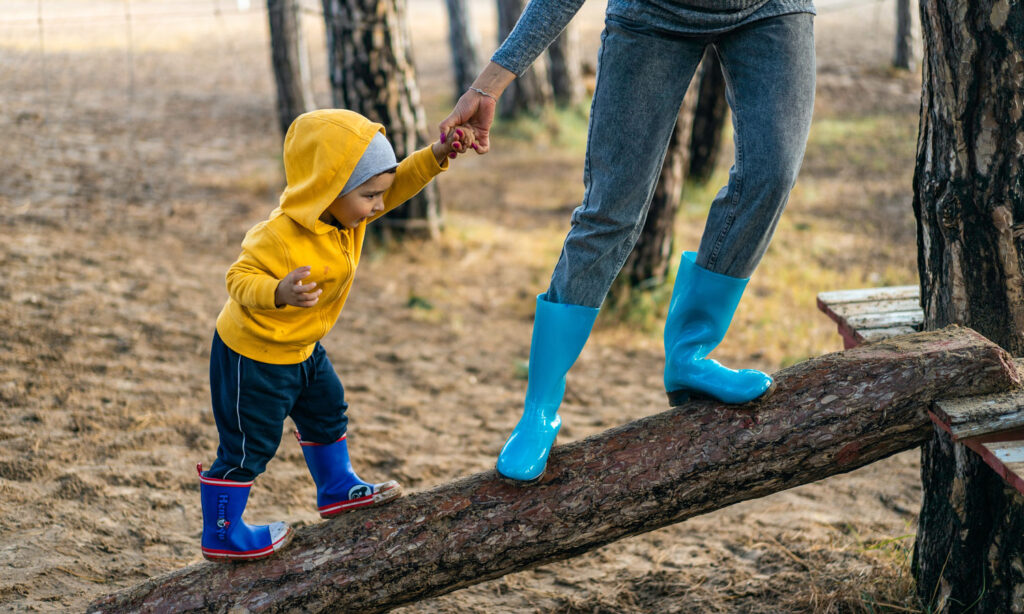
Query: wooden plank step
point(848, 310)
point(979, 416)
point(885, 320)
point(872, 295)
point(992, 426)
point(873, 314)
point(879, 334)
point(1005, 458)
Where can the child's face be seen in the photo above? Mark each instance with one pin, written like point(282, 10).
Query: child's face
point(363, 202)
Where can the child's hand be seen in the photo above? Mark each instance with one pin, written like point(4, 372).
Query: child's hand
point(456, 141)
point(291, 290)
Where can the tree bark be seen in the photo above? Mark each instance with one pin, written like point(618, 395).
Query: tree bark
point(903, 54)
point(531, 91)
point(968, 193)
point(969, 200)
point(371, 70)
point(464, 43)
point(828, 415)
point(290, 58)
point(566, 68)
point(709, 117)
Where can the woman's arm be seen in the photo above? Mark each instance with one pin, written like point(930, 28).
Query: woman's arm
point(538, 26)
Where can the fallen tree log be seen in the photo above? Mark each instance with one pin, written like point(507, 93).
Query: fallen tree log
point(828, 415)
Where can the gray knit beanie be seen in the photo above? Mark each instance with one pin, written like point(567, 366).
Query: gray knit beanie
point(378, 158)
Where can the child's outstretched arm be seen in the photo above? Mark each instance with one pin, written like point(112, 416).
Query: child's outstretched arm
point(420, 168)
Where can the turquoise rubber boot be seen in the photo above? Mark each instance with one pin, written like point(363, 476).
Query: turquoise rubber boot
point(701, 310)
point(559, 334)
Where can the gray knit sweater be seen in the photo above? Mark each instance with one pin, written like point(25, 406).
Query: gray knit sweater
point(544, 20)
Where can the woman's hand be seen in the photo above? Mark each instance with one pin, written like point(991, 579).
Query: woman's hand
point(475, 109)
point(458, 141)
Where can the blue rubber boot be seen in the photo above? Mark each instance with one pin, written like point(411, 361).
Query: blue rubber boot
point(338, 488)
point(701, 310)
point(226, 537)
point(559, 334)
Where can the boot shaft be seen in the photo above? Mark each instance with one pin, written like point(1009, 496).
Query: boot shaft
point(223, 503)
point(559, 333)
point(702, 306)
point(326, 461)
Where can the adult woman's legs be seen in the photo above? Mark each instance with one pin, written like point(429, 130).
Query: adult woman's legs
point(640, 86)
point(642, 78)
point(769, 69)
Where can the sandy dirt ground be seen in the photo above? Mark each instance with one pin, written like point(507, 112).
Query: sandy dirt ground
point(131, 172)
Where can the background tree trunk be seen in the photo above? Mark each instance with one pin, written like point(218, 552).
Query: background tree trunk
point(566, 68)
point(828, 415)
point(464, 43)
point(903, 55)
point(290, 58)
point(648, 264)
point(531, 91)
point(709, 117)
point(371, 70)
point(969, 203)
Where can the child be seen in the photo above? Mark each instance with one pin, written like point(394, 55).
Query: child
point(286, 290)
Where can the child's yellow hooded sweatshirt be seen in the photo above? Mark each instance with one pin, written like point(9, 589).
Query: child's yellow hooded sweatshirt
point(321, 150)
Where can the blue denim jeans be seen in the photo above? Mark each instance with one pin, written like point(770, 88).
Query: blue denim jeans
point(643, 74)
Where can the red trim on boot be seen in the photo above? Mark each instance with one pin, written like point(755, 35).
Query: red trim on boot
point(221, 482)
point(310, 443)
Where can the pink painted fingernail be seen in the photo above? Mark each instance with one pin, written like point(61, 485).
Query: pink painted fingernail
point(456, 145)
point(459, 133)
point(452, 155)
point(476, 147)
point(442, 138)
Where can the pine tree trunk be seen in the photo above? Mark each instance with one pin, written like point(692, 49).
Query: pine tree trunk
point(371, 70)
point(648, 264)
point(903, 55)
point(969, 203)
point(290, 58)
point(565, 67)
point(464, 43)
point(708, 119)
point(531, 91)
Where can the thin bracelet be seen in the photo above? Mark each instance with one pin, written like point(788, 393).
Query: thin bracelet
point(482, 93)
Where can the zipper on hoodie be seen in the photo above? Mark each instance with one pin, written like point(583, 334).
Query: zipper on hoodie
point(345, 244)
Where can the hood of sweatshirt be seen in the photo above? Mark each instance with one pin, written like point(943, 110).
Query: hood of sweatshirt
point(321, 149)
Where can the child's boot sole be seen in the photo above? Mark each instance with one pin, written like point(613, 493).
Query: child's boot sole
point(218, 556)
point(388, 493)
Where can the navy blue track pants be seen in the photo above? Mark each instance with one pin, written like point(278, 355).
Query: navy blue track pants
point(251, 400)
